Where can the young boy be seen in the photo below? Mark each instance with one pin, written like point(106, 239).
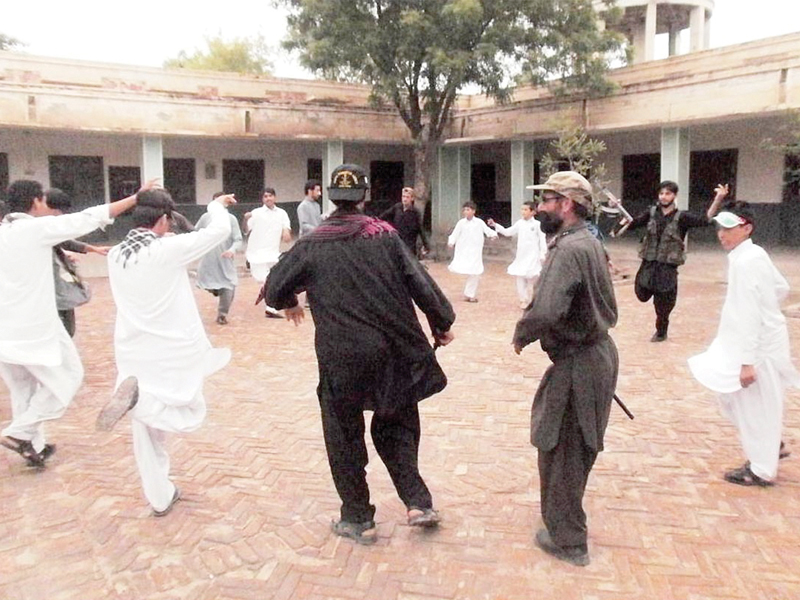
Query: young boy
point(531, 250)
point(467, 239)
point(749, 363)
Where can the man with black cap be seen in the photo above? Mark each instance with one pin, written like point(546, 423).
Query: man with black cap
point(571, 313)
point(362, 283)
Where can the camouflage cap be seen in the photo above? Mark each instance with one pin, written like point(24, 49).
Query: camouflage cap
point(571, 184)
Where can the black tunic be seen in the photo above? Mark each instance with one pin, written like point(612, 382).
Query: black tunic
point(362, 291)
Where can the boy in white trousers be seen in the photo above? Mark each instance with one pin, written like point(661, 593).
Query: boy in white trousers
point(467, 239)
point(749, 364)
point(531, 251)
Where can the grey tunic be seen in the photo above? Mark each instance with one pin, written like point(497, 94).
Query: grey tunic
point(309, 215)
point(216, 272)
point(573, 309)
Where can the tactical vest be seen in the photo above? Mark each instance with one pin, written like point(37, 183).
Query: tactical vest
point(670, 249)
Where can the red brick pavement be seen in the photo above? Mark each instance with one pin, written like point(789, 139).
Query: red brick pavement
point(259, 499)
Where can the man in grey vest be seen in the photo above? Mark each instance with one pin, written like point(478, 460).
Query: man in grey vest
point(663, 250)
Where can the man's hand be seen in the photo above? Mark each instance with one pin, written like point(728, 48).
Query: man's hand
point(721, 192)
point(151, 185)
point(295, 314)
point(444, 338)
point(517, 349)
point(98, 249)
point(228, 254)
point(226, 200)
point(747, 376)
point(491, 223)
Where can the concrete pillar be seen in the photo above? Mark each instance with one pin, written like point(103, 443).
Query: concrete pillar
point(675, 152)
point(650, 30)
point(332, 157)
point(152, 159)
point(450, 187)
point(697, 27)
point(674, 40)
point(638, 44)
point(522, 157)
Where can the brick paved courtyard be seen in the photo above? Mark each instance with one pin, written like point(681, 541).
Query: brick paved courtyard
point(255, 523)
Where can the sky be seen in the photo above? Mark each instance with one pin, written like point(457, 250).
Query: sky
point(147, 32)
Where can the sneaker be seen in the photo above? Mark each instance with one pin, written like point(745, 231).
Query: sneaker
point(362, 533)
point(423, 517)
point(175, 497)
point(123, 400)
point(574, 555)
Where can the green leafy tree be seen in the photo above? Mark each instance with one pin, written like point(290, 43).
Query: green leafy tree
point(418, 54)
point(239, 55)
point(9, 43)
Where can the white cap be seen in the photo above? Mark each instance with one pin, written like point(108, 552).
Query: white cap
point(728, 220)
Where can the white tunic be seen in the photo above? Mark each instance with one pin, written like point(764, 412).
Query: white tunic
point(266, 226)
point(752, 331)
point(159, 337)
point(29, 323)
point(467, 237)
point(531, 247)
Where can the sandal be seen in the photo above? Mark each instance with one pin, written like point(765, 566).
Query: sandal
point(423, 517)
point(363, 533)
point(24, 448)
point(175, 497)
point(783, 452)
point(744, 476)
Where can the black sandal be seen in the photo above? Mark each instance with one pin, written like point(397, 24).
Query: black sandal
point(744, 476)
point(783, 452)
point(24, 448)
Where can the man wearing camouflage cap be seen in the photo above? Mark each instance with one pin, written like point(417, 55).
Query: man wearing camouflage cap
point(572, 311)
point(362, 283)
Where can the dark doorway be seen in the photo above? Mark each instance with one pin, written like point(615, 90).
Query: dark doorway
point(314, 169)
point(641, 174)
point(179, 180)
point(483, 191)
point(80, 177)
point(790, 202)
point(123, 181)
point(244, 178)
point(3, 175)
point(707, 169)
point(386, 185)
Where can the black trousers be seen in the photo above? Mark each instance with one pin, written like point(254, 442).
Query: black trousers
point(563, 473)
point(396, 438)
point(68, 319)
point(664, 295)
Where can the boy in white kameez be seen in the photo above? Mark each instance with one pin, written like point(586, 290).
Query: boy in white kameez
point(268, 226)
point(749, 363)
point(467, 239)
point(38, 360)
point(531, 251)
point(162, 352)
point(217, 270)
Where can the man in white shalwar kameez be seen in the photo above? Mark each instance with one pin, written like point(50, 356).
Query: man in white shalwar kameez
point(38, 360)
point(531, 251)
point(162, 352)
point(467, 239)
point(749, 363)
point(268, 226)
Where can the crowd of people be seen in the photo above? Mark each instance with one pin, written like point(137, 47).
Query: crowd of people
point(362, 279)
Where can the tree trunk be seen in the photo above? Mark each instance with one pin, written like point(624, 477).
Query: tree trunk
point(424, 157)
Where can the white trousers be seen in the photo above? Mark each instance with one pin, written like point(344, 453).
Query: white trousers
point(525, 289)
point(149, 448)
point(471, 287)
point(39, 393)
point(757, 412)
point(260, 272)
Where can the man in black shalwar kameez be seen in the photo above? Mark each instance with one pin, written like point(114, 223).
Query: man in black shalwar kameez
point(362, 283)
point(572, 311)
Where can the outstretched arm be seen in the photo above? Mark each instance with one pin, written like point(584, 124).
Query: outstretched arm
point(720, 193)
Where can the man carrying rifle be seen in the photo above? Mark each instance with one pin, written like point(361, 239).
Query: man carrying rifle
point(572, 311)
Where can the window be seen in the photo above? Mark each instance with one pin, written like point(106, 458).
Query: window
point(179, 180)
point(244, 178)
point(80, 177)
point(123, 182)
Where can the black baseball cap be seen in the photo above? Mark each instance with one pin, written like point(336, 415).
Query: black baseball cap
point(348, 182)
